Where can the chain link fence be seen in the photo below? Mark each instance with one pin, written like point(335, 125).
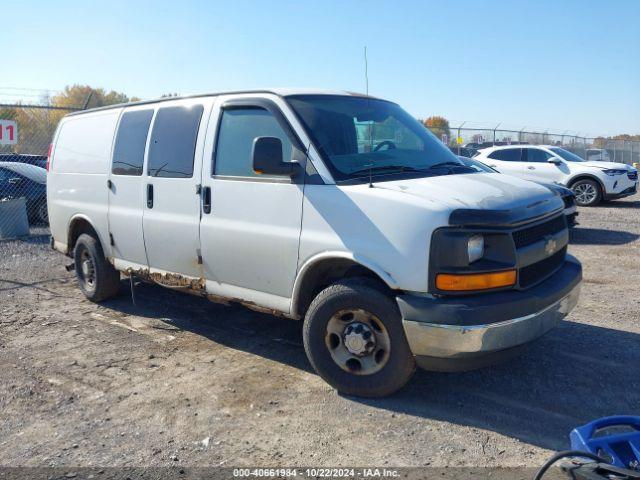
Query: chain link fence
point(589, 148)
point(25, 136)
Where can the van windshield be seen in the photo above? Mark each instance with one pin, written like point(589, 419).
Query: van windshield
point(359, 135)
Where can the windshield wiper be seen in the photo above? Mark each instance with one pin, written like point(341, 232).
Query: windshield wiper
point(384, 168)
point(447, 164)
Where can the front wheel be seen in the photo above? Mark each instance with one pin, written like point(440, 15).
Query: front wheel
point(588, 192)
point(354, 339)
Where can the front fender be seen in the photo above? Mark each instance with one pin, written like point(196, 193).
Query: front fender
point(313, 261)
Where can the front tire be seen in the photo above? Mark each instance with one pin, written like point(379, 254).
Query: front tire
point(97, 278)
point(588, 192)
point(354, 339)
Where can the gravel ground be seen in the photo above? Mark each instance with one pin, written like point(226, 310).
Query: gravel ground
point(176, 380)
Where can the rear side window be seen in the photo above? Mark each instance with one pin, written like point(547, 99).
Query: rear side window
point(535, 155)
point(173, 141)
point(239, 127)
point(506, 155)
point(128, 153)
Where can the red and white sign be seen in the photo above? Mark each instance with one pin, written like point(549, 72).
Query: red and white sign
point(8, 132)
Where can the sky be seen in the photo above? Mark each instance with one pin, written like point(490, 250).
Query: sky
point(561, 65)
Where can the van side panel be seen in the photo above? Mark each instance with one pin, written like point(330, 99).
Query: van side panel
point(386, 231)
point(77, 180)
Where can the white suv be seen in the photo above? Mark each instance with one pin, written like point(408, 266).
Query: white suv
point(338, 209)
point(591, 181)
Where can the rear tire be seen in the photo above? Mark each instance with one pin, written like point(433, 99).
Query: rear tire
point(588, 192)
point(355, 315)
point(97, 278)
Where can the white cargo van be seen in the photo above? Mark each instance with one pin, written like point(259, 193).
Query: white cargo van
point(336, 208)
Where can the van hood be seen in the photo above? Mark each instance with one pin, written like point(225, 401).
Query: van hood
point(506, 199)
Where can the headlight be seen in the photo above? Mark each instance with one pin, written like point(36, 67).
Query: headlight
point(614, 171)
point(475, 248)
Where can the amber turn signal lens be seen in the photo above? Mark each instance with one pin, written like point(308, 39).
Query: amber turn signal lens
point(475, 281)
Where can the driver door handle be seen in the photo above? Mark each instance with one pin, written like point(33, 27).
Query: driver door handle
point(531, 168)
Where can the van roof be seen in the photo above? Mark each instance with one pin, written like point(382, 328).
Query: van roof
point(282, 92)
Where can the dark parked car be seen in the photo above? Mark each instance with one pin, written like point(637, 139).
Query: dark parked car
point(568, 197)
point(37, 160)
point(21, 180)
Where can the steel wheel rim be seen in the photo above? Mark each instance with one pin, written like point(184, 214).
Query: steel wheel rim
point(87, 270)
point(585, 192)
point(358, 341)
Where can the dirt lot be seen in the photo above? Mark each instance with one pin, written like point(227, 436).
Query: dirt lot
point(176, 380)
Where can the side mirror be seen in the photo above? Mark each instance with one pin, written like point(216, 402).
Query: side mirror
point(554, 160)
point(267, 158)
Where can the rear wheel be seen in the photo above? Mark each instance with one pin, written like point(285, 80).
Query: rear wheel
point(97, 278)
point(588, 192)
point(354, 338)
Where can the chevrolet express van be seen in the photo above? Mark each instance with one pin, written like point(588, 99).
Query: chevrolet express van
point(334, 208)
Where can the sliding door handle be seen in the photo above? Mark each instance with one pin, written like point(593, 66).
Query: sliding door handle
point(149, 195)
point(206, 200)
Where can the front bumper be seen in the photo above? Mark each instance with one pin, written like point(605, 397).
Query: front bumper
point(619, 186)
point(460, 333)
point(624, 193)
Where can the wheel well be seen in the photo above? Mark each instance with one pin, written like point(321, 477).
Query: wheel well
point(78, 227)
point(324, 273)
point(587, 177)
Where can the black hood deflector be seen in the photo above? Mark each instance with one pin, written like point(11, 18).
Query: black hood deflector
point(468, 217)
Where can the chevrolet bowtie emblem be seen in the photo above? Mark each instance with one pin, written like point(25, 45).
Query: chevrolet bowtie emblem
point(550, 246)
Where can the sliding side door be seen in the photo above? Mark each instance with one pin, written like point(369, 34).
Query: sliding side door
point(171, 190)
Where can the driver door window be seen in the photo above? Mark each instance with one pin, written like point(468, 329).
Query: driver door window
point(534, 155)
point(239, 127)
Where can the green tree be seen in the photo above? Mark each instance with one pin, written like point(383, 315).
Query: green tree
point(36, 126)
point(84, 96)
point(438, 126)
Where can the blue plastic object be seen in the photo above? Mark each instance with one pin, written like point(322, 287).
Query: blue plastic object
point(621, 449)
